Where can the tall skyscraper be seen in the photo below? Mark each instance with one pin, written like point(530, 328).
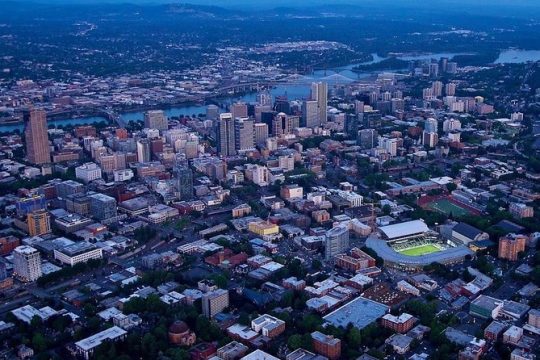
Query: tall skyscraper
point(225, 135)
point(155, 119)
point(39, 222)
point(143, 151)
point(27, 263)
point(244, 134)
point(310, 114)
point(319, 93)
point(184, 181)
point(37, 141)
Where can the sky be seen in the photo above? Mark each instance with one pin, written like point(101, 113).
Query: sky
point(491, 7)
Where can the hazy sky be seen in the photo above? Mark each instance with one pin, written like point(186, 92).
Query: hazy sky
point(506, 8)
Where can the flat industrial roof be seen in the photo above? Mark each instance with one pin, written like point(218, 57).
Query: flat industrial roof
point(359, 312)
point(404, 229)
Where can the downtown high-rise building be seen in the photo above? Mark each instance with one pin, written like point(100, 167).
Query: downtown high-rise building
point(261, 133)
point(319, 93)
point(156, 119)
point(212, 112)
point(264, 98)
point(27, 263)
point(367, 138)
point(239, 110)
point(37, 140)
point(143, 151)
point(244, 134)
point(284, 124)
point(310, 114)
point(184, 181)
point(225, 135)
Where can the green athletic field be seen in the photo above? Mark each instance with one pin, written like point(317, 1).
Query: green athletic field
point(420, 250)
point(446, 207)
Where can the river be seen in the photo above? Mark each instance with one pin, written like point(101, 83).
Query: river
point(517, 56)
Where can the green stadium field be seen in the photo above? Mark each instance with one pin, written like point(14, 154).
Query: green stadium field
point(420, 250)
point(446, 207)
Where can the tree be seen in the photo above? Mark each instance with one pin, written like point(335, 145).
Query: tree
point(39, 343)
point(354, 338)
point(451, 187)
point(294, 342)
point(220, 280)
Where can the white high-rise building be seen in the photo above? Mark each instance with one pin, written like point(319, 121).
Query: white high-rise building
point(27, 263)
point(244, 134)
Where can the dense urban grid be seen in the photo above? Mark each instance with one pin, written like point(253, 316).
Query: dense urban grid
point(390, 210)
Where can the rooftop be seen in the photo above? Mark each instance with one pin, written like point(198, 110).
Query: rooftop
point(359, 312)
point(96, 339)
point(404, 229)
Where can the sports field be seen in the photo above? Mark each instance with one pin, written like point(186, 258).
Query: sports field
point(420, 250)
point(446, 207)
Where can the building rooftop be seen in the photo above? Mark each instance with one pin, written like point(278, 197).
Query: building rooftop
point(96, 339)
point(259, 355)
point(359, 312)
point(404, 229)
point(467, 230)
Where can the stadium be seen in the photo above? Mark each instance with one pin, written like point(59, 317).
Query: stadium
point(412, 245)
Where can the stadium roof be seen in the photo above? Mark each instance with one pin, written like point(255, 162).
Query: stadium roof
point(404, 229)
